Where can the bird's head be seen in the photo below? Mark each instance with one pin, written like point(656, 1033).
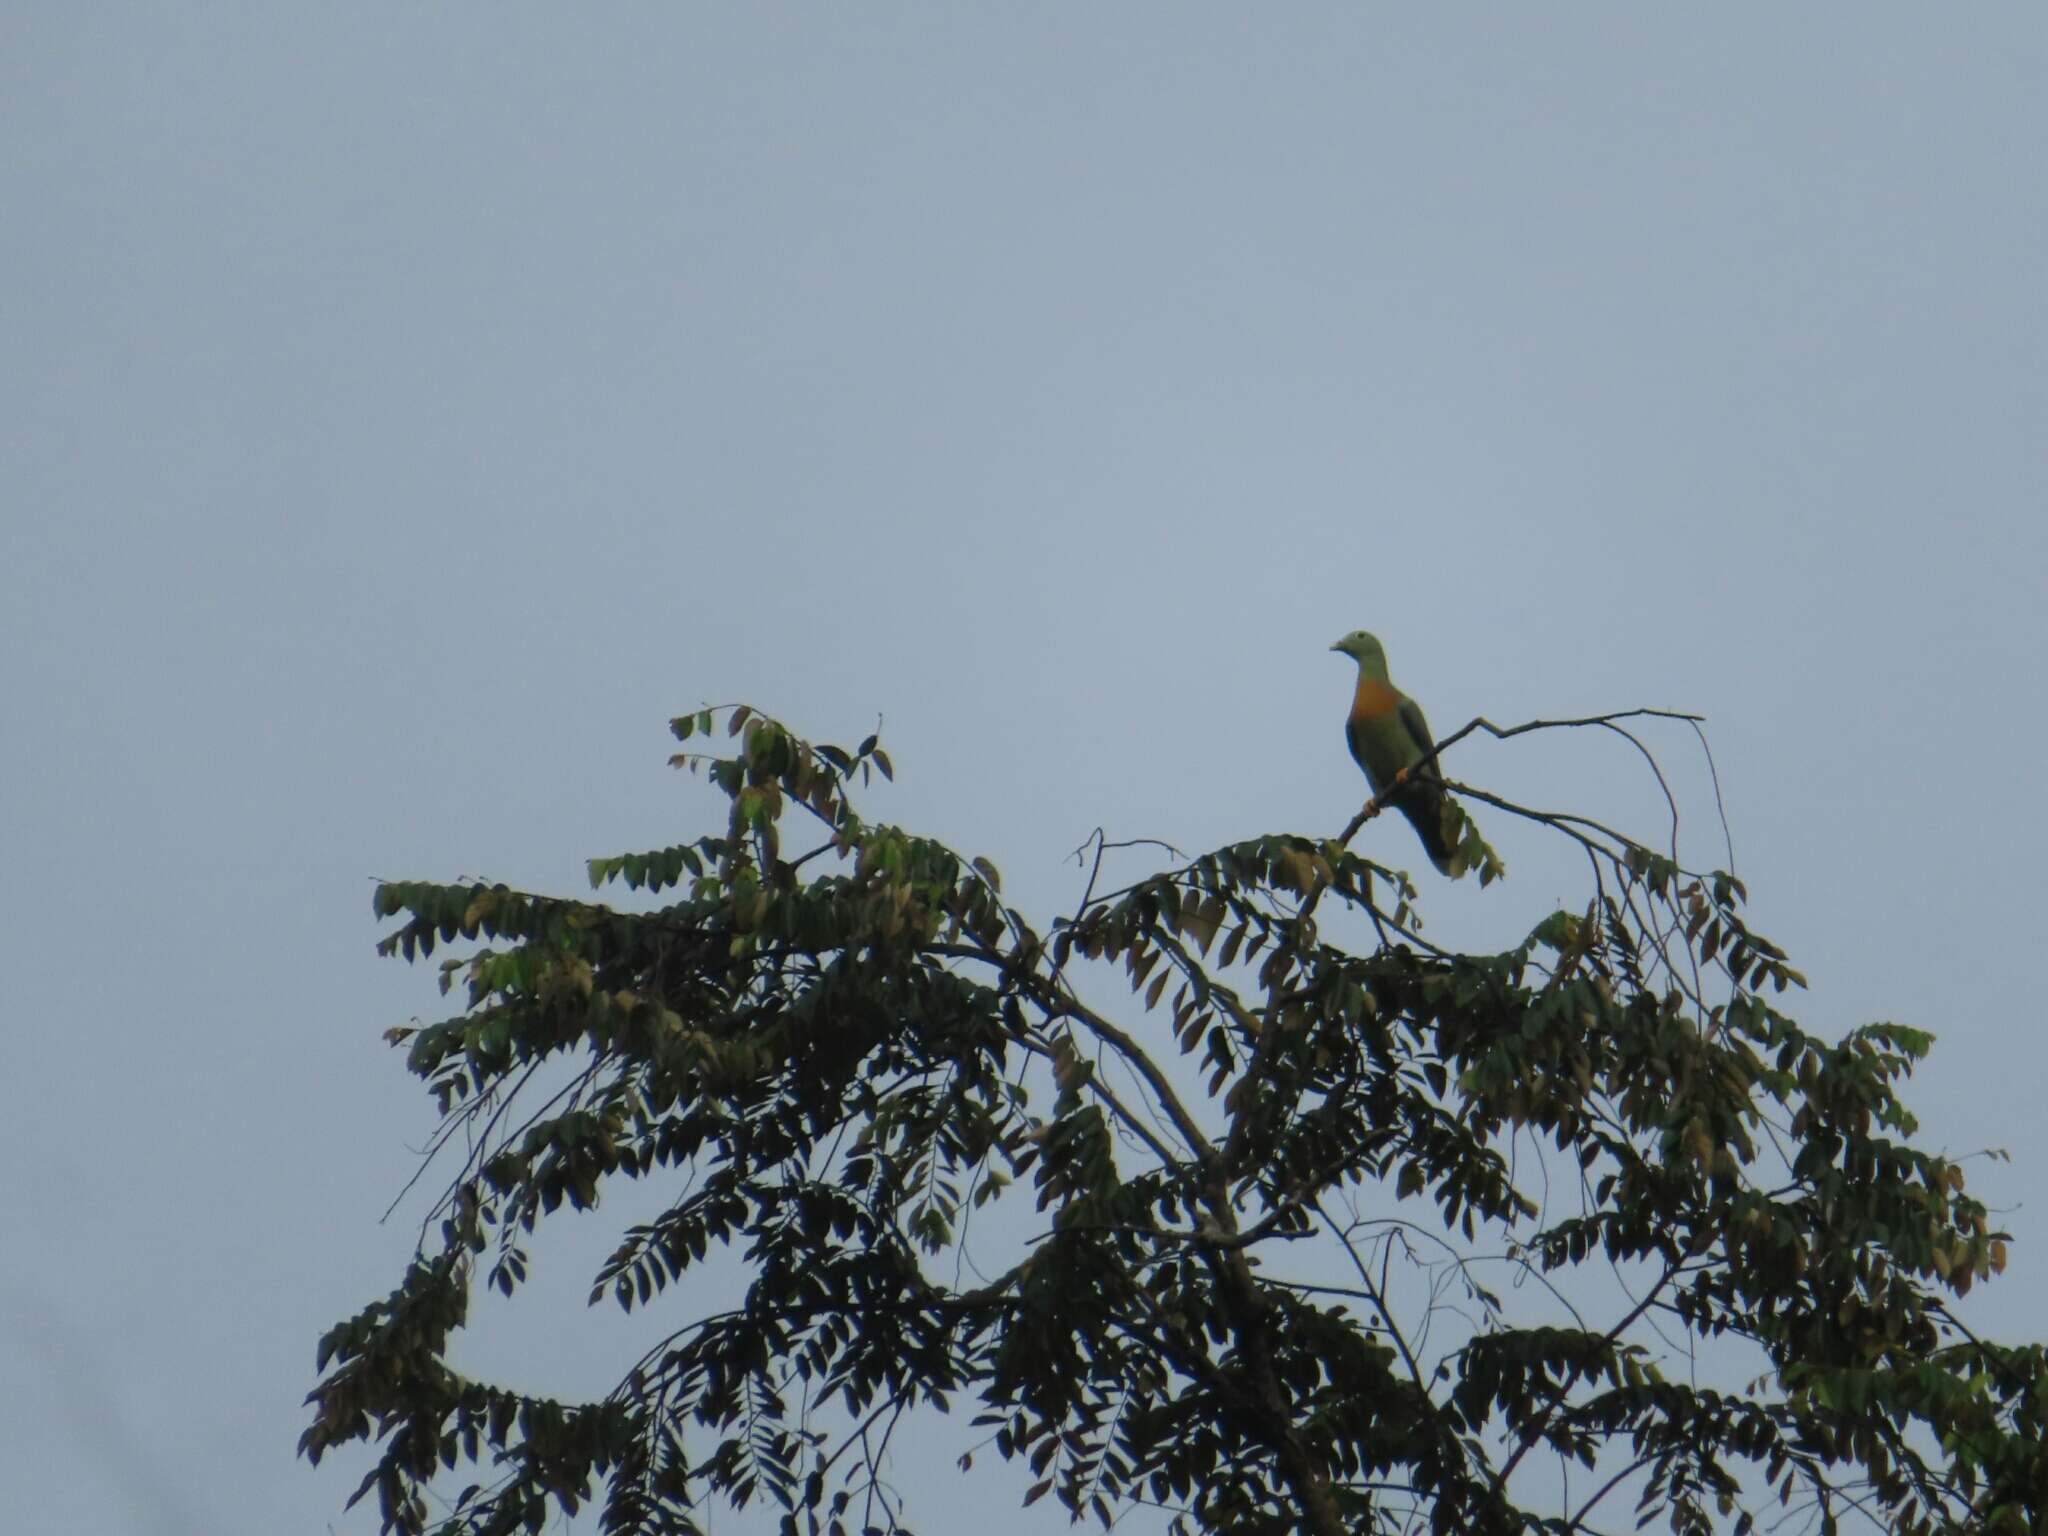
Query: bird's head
point(1364, 647)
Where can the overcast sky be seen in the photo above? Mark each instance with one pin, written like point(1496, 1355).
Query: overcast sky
point(405, 409)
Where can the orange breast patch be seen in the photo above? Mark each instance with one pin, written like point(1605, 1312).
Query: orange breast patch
point(1373, 699)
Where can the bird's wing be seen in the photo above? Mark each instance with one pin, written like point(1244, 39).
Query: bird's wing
point(1410, 714)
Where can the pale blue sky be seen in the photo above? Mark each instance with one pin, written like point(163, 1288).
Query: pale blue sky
point(406, 409)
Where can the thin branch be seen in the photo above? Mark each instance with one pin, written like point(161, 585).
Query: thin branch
point(1534, 1432)
point(1578, 1520)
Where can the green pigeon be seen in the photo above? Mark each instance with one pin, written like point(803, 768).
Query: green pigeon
point(1387, 733)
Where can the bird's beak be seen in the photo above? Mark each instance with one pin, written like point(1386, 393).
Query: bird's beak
point(1338, 646)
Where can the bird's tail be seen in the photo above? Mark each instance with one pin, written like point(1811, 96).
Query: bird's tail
point(1441, 825)
point(1447, 848)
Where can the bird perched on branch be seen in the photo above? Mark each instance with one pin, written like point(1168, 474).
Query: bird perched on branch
point(1387, 734)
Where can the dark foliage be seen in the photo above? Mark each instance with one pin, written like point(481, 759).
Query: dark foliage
point(834, 1057)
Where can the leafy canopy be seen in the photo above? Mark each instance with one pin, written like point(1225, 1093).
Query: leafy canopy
point(1259, 1214)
